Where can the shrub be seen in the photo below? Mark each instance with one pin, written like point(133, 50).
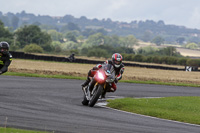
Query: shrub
point(57, 48)
point(156, 59)
point(128, 57)
point(75, 51)
point(97, 53)
point(193, 62)
point(182, 61)
point(171, 60)
point(33, 48)
point(149, 59)
point(139, 58)
point(192, 46)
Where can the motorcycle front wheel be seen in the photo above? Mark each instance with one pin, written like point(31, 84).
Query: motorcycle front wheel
point(95, 96)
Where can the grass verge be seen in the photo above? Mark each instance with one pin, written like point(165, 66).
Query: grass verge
point(43, 76)
point(161, 83)
point(183, 109)
point(83, 78)
point(12, 130)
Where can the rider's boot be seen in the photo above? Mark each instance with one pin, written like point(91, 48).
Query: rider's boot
point(86, 82)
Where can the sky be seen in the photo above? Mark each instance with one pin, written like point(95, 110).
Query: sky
point(178, 12)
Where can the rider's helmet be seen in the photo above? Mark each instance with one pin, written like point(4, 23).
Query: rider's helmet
point(117, 60)
point(4, 47)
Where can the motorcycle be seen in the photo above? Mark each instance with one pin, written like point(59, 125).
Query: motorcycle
point(99, 85)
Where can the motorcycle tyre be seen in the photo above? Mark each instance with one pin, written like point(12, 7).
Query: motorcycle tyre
point(96, 96)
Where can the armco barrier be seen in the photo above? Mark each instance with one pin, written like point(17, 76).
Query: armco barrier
point(22, 55)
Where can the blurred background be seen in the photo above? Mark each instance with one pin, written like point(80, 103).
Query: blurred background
point(153, 31)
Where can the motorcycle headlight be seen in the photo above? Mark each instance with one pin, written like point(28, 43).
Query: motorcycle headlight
point(100, 75)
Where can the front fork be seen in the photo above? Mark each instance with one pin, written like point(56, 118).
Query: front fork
point(88, 94)
point(85, 91)
point(88, 90)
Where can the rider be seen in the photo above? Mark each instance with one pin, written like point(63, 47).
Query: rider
point(5, 57)
point(118, 67)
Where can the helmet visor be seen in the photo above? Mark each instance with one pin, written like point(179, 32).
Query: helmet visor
point(117, 62)
point(4, 50)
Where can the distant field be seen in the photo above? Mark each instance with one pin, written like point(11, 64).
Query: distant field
point(183, 51)
point(81, 70)
point(189, 52)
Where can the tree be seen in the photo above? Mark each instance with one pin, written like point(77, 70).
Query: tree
point(71, 37)
point(70, 45)
point(147, 50)
point(97, 52)
point(180, 40)
point(87, 32)
point(129, 41)
point(47, 27)
point(4, 33)
point(102, 30)
point(94, 40)
point(194, 39)
point(33, 48)
point(55, 36)
point(5, 20)
point(70, 27)
point(14, 22)
point(147, 36)
point(113, 40)
point(58, 49)
point(169, 51)
point(158, 40)
point(32, 34)
point(192, 46)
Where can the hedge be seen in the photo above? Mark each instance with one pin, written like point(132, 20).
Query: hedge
point(170, 60)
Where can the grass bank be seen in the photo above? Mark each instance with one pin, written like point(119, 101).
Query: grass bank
point(12, 130)
point(80, 70)
point(183, 109)
point(42, 75)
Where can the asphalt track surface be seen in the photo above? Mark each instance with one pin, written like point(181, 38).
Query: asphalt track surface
point(55, 105)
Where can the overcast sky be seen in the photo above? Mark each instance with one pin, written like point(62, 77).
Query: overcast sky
point(178, 12)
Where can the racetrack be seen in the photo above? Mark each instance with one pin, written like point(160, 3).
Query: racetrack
point(55, 105)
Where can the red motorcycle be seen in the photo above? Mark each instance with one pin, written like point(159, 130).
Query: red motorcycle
point(99, 85)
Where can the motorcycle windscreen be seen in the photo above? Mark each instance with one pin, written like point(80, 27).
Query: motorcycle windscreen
point(110, 72)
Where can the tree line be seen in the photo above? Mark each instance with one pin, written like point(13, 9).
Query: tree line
point(30, 38)
point(143, 30)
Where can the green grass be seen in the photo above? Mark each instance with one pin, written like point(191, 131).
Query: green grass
point(12, 130)
point(161, 83)
point(83, 78)
point(184, 109)
point(43, 76)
